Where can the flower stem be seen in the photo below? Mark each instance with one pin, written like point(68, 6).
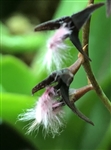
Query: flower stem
point(75, 66)
point(81, 91)
point(87, 67)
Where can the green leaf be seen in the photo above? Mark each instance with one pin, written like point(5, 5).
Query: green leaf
point(16, 77)
point(14, 104)
point(21, 43)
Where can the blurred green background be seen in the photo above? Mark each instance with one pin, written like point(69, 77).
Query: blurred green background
point(21, 68)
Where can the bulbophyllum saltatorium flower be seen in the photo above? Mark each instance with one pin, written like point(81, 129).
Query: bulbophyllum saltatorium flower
point(48, 110)
point(68, 26)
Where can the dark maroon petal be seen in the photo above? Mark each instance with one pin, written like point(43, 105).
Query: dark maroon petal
point(53, 24)
point(81, 17)
point(108, 7)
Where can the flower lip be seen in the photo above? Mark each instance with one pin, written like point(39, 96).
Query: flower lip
point(58, 104)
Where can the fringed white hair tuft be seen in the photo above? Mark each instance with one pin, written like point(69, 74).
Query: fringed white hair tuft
point(44, 114)
point(57, 51)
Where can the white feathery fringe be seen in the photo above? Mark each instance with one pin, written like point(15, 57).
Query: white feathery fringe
point(43, 114)
point(57, 51)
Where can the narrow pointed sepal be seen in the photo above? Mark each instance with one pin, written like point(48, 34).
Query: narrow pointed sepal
point(81, 17)
point(75, 40)
point(81, 115)
point(46, 82)
point(53, 24)
point(64, 89)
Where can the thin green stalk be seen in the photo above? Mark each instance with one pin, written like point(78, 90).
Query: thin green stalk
point(87, 67)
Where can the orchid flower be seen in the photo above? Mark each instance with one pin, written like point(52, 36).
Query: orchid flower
point(48, 110)
point(68, 26)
